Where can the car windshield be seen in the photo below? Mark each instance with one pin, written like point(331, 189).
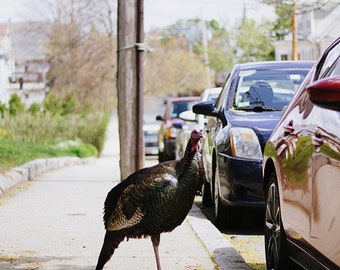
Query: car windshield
point(181, 106)
point(269, 89)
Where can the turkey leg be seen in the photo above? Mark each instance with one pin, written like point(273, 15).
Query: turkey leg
point(155, 243)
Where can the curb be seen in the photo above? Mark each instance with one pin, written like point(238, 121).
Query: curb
point(222, 252)
point(34, 168)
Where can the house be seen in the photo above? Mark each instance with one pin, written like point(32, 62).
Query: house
point(7, 63)
point(22, 65)
point(316, 30)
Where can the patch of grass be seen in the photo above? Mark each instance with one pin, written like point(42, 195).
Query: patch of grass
point(15, 153)
point(51, 129)
point(47, 128)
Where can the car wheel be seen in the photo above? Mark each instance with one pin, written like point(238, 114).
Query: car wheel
point(206, 195)
point(167, 157)
point(160, 156)
point(274, 235)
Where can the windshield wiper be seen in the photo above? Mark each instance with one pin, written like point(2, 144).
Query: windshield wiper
point(261, 108)
point(258, 108)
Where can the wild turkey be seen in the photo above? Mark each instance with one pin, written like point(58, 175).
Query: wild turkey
point(152, 200)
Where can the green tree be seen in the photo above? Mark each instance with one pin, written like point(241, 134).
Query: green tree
point(172, 71)
point(187, 36)
point(283, 26)
point(253, 42)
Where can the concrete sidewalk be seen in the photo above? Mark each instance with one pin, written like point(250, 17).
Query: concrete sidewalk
point(55, 222)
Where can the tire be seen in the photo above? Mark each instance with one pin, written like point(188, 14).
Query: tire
point(274, 235)
point(167, 157)
point(206, 195)
point(160, 157)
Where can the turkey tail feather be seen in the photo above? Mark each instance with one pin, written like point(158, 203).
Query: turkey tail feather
point(111, 242)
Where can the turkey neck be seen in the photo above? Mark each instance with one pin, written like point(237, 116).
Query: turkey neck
point(188, 165)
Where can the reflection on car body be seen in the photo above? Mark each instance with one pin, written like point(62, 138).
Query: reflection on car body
point(301, 169)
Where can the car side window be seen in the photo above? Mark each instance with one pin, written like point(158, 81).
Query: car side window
point(220, 99)
point(331, 65)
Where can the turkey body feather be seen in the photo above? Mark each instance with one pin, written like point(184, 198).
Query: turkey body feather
point(152, 200)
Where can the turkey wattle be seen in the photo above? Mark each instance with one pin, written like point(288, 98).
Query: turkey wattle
point(152, 200)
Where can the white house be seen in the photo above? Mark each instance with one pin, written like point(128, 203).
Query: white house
point(316, 30)
point(21, 60)
point(7, 62)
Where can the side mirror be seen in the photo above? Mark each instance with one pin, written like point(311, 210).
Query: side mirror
point(188, 116)
point(159, 118)
point(325, 93)
point(205, 108)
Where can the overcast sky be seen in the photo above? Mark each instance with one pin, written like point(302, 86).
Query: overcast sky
point(160, 13)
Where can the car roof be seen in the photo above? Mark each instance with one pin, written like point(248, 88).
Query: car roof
point(174, 99)
point(274, 64)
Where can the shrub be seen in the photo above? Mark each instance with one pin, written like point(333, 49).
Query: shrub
point(69, 105)
point(52, 103)
point(34, 108)
point(3, 108)
point(50, 128)
point(26, 135)
point(15, 105)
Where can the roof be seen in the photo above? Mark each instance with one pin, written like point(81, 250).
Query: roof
point(174, 99)
point(275, 64)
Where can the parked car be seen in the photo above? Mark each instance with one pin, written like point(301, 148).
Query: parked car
point(301, 172)
point(167, 132)
point(238, 126)
point(150, 139)
point(192, 120)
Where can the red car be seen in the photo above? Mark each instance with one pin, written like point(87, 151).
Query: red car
point(301, 173)
point(167, 132)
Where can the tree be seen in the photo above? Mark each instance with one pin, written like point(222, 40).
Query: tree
point(185, 37)
point(172, 70)
point(81, 49)
point(253, 42)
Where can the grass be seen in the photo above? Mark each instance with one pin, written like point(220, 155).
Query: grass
point(25, 137)
point(15, 153)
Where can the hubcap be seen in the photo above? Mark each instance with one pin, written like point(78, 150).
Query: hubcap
point(272, 227)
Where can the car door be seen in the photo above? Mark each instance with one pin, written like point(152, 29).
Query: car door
point(212, 127)
point(311, 165)
point(325, 166)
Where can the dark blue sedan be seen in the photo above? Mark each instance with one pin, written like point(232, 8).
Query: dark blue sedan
point(237, 129)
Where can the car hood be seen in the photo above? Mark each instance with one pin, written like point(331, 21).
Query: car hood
point(263, 123)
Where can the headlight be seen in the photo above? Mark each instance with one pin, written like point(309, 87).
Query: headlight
point(244, 143)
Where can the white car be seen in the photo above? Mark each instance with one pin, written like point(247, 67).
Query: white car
point(192, 120)
point(150, 139)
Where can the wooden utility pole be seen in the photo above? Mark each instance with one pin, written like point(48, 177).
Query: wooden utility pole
point(130, 85)
point(205, 52)
point(295, 55)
